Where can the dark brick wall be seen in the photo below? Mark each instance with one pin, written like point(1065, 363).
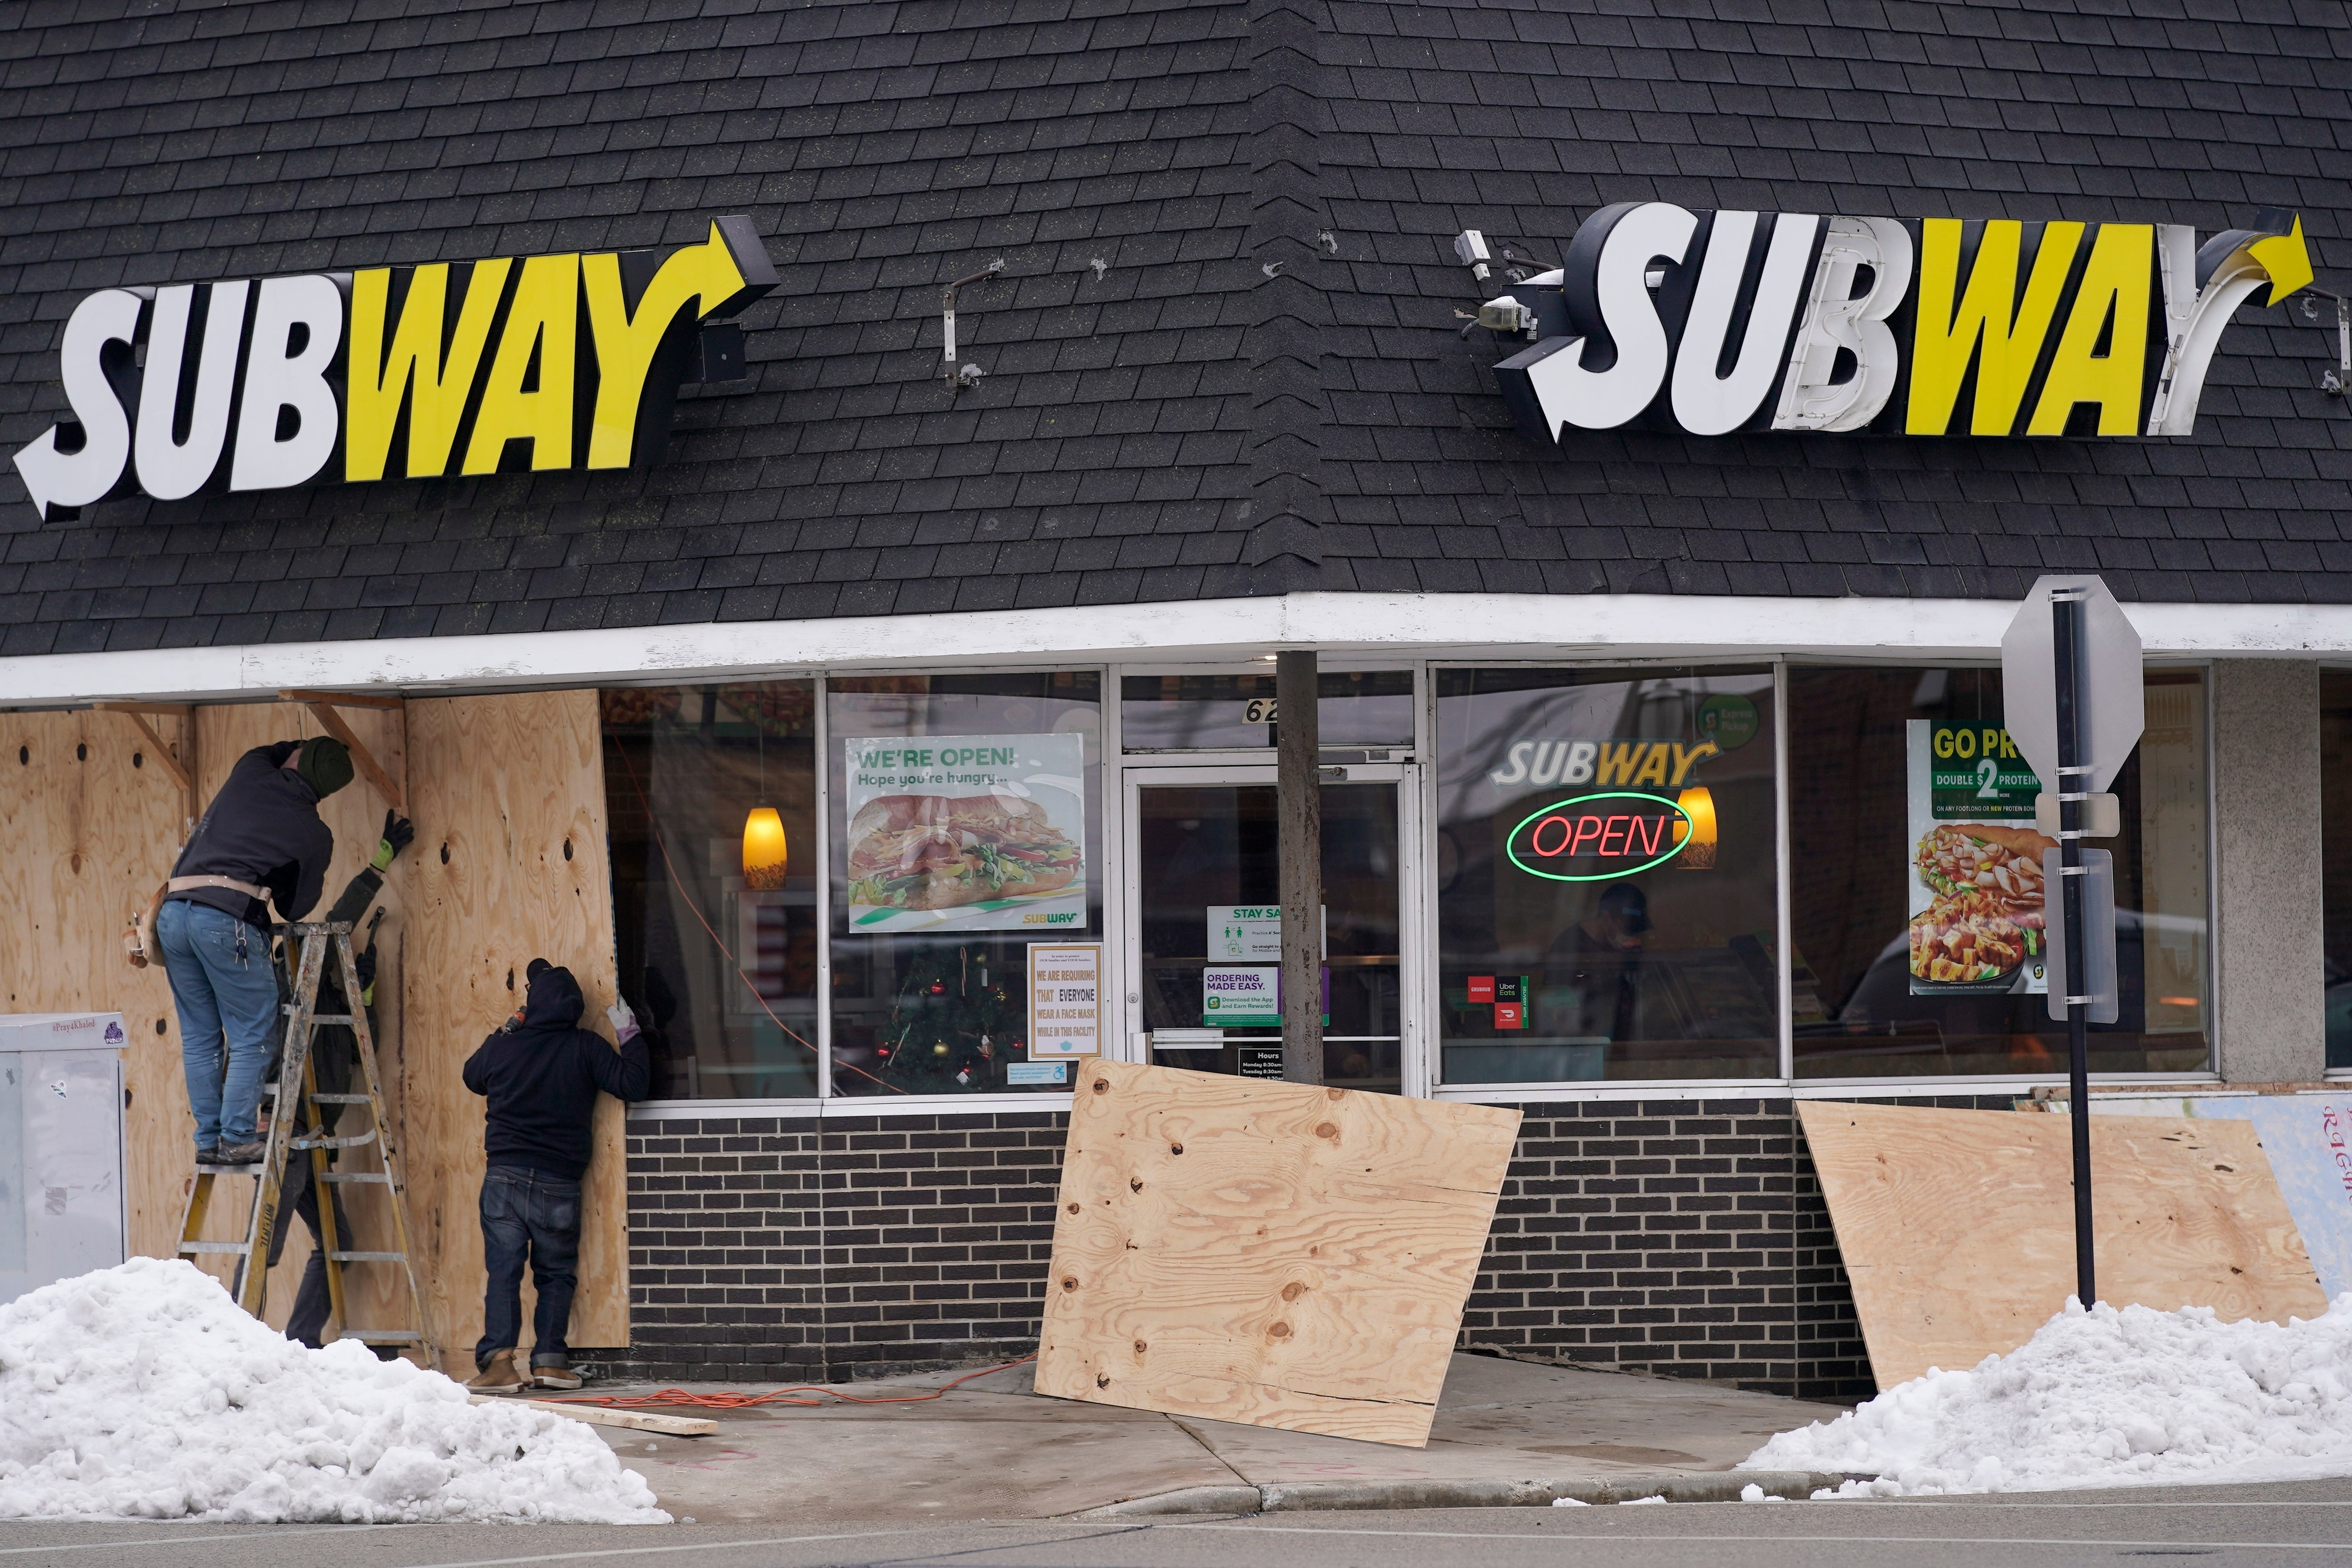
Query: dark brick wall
point(778, 1247)
point(1683, 1238)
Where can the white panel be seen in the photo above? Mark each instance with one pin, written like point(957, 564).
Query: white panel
point(67, 1180)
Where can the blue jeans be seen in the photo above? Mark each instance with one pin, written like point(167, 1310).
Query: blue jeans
point(526, 1211)
point(223, 983)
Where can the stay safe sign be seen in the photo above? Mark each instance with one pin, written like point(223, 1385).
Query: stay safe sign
point(569, 360)
point(1712, 322)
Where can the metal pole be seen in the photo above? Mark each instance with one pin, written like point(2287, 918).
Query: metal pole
point(2066, 646)
point(1299, 812)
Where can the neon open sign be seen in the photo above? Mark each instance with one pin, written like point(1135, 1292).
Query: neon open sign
point(1599, 837)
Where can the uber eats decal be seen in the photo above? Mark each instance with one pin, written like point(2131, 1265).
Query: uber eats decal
point(570, 361)
point(1713, 322)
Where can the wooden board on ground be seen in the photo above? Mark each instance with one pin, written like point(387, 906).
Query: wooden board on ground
point(508, 795)
point(1957, 1226)
point(1265, 1252)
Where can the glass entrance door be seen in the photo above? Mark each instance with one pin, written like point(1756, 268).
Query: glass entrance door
point(1206, 923)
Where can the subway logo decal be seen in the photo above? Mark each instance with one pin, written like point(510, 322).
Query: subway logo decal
point(1712, 322)
point(569, 360)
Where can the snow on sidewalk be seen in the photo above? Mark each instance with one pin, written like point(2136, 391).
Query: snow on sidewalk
point(142, 1391)
point(2103, 1398)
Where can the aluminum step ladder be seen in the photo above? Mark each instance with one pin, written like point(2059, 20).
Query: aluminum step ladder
point(301, 1131)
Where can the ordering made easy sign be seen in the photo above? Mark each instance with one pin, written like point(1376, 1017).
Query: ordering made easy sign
point(1711, 323)
point(570, 361)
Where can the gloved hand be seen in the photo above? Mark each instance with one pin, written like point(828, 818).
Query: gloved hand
point(365, 965)
point(624, 1022)
point(398, 834)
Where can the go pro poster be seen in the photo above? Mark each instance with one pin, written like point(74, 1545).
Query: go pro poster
point(966, 833)
point(1974, 879)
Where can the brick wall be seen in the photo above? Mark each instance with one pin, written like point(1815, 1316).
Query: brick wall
point(1681, 1239)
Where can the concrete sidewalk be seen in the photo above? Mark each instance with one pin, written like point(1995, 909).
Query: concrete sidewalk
point(993, 1450)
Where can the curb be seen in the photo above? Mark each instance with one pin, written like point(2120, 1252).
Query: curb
point(1719, 1486)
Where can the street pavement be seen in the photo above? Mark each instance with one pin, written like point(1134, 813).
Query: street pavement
point(2300, 1523)
point(994, 1450)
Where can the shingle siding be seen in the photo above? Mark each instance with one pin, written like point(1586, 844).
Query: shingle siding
point(1175, 422)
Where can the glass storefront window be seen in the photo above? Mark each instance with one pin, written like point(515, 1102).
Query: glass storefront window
point(1916, 890)
point(1222, 712)
point(1606, 894)
point(2335, 859)
point(718, 962)
point(1208, 878)
point(966, 817)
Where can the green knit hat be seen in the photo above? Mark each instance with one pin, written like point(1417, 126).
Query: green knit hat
point(326, 763)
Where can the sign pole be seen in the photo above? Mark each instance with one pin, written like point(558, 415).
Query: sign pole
point(2066, 646)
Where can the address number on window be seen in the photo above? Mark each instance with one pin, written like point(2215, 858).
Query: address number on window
point(1259, 711)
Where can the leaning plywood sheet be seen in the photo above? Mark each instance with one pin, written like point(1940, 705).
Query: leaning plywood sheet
point(1265, 1252)
point(510, 865)
point(1957, 1226)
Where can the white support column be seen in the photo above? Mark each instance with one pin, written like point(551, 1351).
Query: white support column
point(2267, 893)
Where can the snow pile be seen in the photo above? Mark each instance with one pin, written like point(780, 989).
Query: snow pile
point(142, 1391)
point(2103, 1398)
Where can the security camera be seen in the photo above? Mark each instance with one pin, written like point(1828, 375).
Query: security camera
point(1470, 249)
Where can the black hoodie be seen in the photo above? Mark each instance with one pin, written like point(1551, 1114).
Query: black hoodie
point(541, 1075)
point(262, 828)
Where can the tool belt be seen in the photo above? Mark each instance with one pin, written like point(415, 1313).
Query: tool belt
point(139, 944)
point(189, 884)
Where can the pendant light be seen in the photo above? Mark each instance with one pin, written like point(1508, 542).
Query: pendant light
point(765, 850)
point(1698, 847)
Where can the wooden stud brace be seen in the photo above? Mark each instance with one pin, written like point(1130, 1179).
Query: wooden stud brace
point(322, 706)
point(182, 770)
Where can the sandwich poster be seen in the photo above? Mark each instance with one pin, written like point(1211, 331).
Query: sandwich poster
point(966, 833)
point(1975, 871)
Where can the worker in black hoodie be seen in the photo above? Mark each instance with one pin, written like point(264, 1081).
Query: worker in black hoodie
point(261, 839)
point(542, 1073)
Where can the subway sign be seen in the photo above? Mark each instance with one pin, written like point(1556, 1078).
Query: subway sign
point(1599, 837)
point(514, 364)
point(1713, 322)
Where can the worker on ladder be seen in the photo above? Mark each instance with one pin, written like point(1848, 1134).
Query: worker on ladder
point(542, 1073)
point(260, 842)
point(335, 1064)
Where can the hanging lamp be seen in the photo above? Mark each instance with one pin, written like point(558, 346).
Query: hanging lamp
point(1698, 847)
point(765, 853)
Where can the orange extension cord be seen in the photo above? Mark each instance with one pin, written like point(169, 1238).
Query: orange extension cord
point(733, 1401)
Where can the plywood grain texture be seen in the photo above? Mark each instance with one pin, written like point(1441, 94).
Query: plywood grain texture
point(1270, 1253)
point(1957, 1226)
point(507, 794)
point(89, 826)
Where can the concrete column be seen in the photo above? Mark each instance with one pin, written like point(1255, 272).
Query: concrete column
point(2267, 934)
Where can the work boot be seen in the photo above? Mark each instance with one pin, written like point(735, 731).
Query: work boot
point(240, 1153)
point(553, 1374)
point(208, 1155)
point(498, 1375)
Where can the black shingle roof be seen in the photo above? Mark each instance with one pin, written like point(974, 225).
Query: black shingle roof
point(1174, 422)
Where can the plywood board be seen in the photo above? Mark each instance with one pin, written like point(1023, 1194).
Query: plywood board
point(1271, 1253)
point(89, 826)
point(507, 794)
point(1957, 1226)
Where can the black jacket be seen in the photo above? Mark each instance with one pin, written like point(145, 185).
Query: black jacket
point(262, 828)
point(542, 1077)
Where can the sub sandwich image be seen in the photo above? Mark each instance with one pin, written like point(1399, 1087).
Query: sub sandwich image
point(1987, 915)
point(940, 851)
